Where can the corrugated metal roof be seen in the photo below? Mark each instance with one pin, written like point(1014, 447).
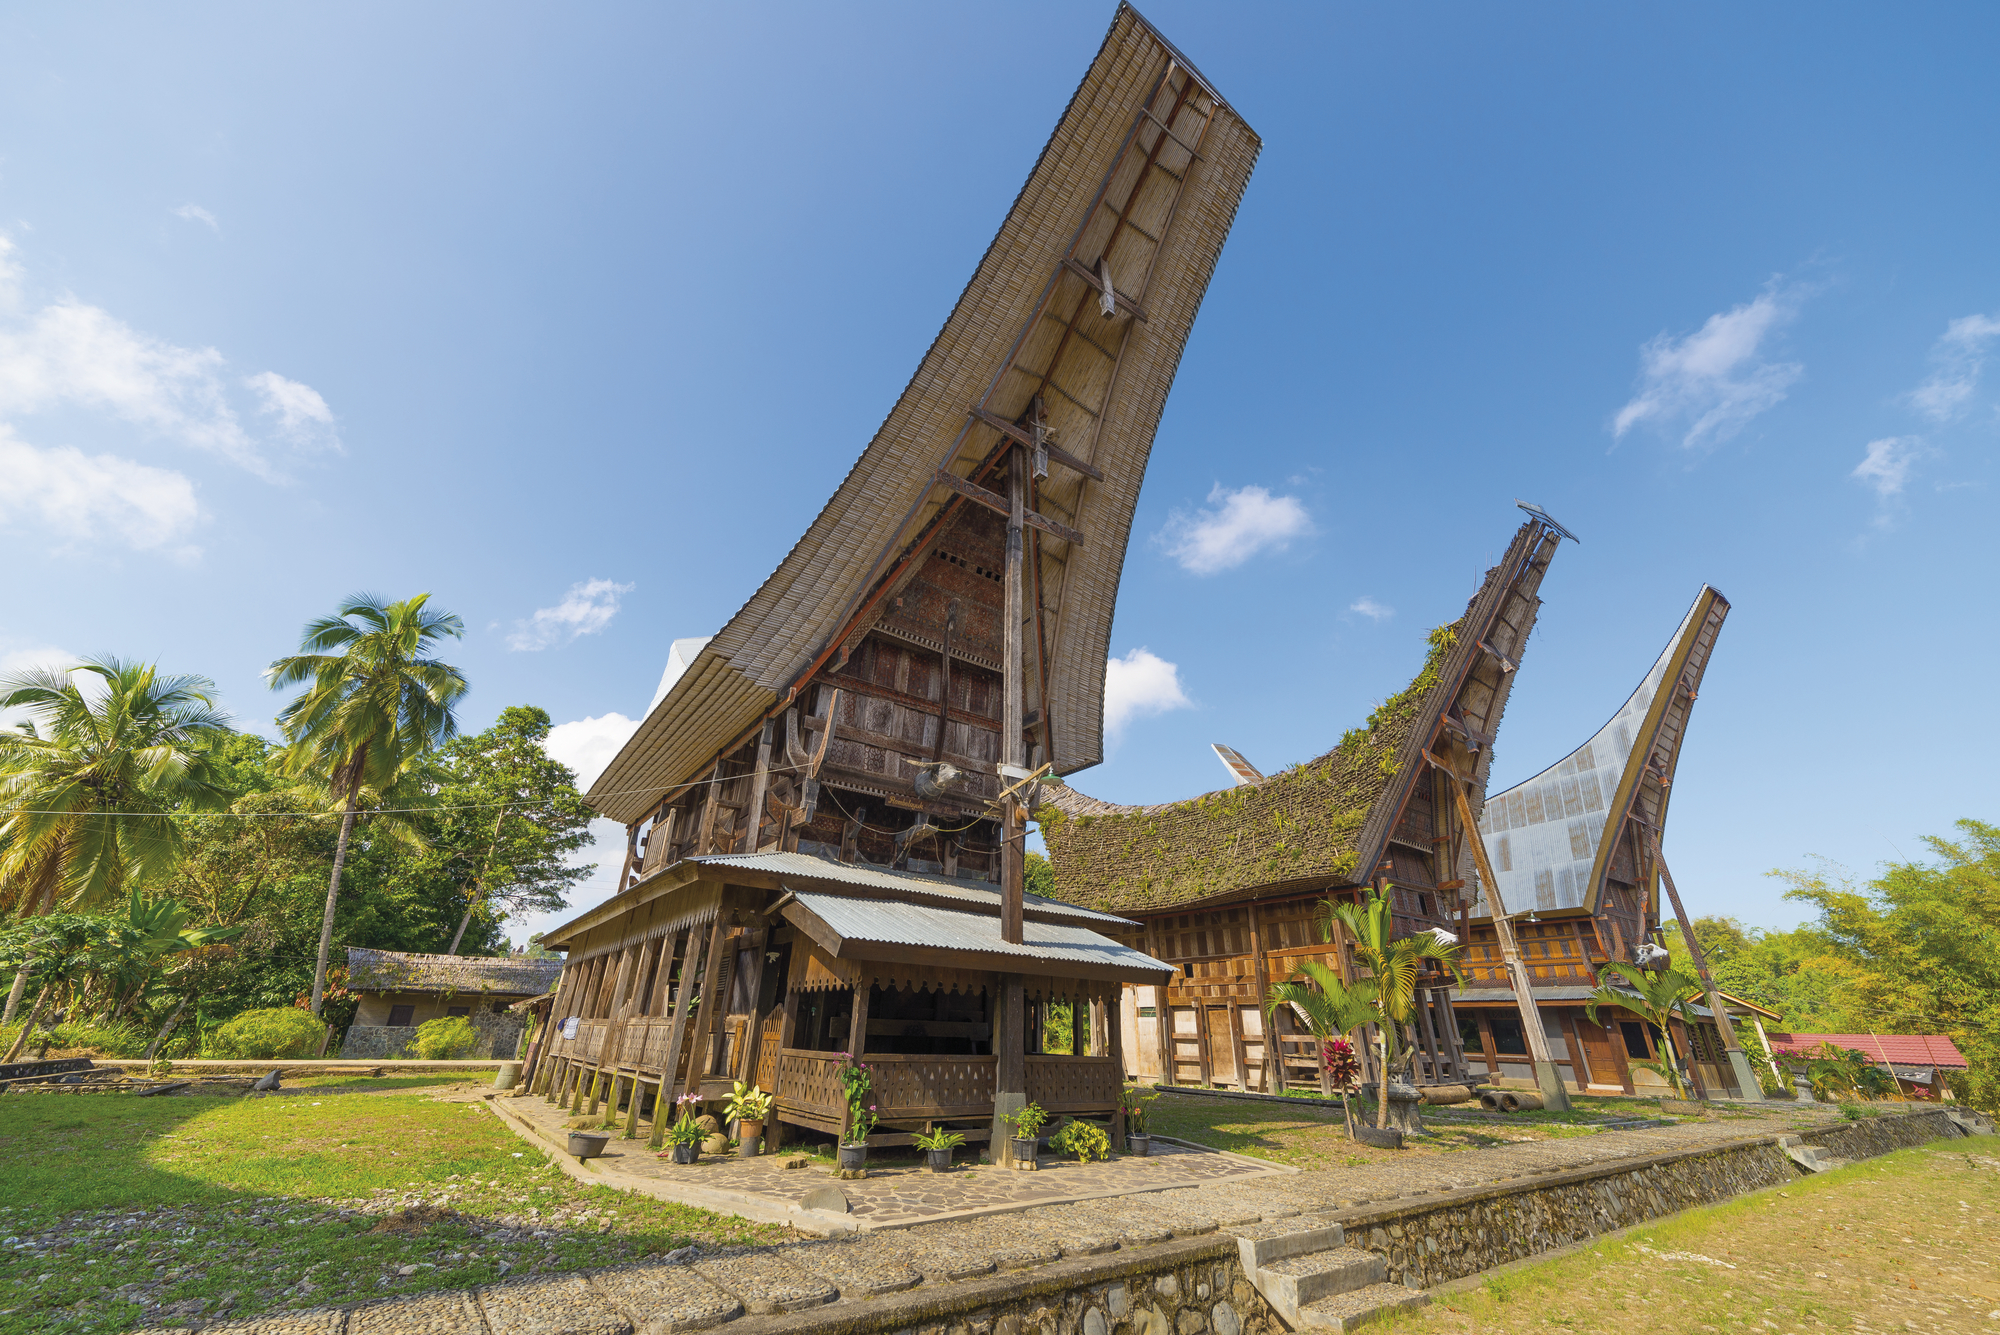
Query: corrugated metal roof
point(902, 924)
point(973, 894)
point(1915, 1049)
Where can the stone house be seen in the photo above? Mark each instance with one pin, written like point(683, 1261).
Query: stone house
point(399, 991)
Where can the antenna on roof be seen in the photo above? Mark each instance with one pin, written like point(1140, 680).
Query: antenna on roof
point(1547, 518)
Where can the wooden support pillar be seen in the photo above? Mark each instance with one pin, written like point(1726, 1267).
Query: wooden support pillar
point(1579, 1068)
point(746, 1065)
point(1274, 1062)
point(760, 783)
point(705, 1017)
point(677, 1033)
point(1010, 1061)
point(1448, 1021)
point(1237, 1047)
point(1428, 1037)
point(1748, 1087)
point(1201, 1045)
point(705, 841)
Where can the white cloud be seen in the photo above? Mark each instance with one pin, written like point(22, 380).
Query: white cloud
point(10, 276)
point(14, 662)
point(1237, 526)
point(89, 496)
point(588, 745)
point(302, 414)
point(1886, 466)
point(1958, 356)
point(1371, 609)
point(1715, 379)
point(586, 609)
point(196, 213)
point(1140, 685)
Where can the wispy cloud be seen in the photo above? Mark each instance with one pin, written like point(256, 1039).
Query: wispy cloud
point(196, 213)
point(1235, 526)
point(1371, 609)
point(1957, 359)
point(86, 497)
point(1886, 466)
point(1140, 685)
point(302, 414)
point(1716, 379)
point(587, 745)
point(586, 609)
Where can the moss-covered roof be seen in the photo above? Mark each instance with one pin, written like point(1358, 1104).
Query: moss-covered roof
point(396, 971)
point(1303, 824)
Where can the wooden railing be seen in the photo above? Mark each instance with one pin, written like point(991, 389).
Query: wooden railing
point(925, 1088)
point(1074, 1084)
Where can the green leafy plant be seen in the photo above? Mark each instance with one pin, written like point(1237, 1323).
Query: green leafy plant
point(856, 1080)
point(1029, 1121)
point(746, 1103)
point(1086, 1140)
point(1136, 1107)
point(284, 1031)
point(445, 1039)
point(1657, 994)
point(1394, 965)
point(940, 1139)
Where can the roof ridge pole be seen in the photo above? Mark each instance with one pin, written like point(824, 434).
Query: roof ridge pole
point(1747, 1085)
point(1554, 1096)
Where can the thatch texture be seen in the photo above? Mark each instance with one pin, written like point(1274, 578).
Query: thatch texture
point(1315, 825)
point(997, 351)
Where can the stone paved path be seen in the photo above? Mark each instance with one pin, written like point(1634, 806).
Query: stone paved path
point(723, 1285)
point(895, 1197)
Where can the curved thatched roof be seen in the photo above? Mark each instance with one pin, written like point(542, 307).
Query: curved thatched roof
point(398, 971)
point(1011, 337)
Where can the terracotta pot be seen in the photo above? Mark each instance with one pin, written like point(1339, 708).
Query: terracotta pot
point(1139, 1144)
point(853, 1158)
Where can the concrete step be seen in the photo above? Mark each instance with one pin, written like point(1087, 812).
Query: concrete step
point(1809, 1157)
point(1356, 1307)
point(1260, 1244)
point(1295, 1283)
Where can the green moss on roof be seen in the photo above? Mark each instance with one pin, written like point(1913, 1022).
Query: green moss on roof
point(1303, 823)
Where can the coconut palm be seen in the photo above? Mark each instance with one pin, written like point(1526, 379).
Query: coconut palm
point(375, 703)
point(1656, 994)
point(88, 784)
point(1394, 966)
point(1331, 1009)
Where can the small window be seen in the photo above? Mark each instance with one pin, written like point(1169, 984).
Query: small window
point(1507, 1034)
point(1635, 1039)
point(458, 1010)
point(400, 1016)
point(1424, 905)
point(1468, 1033)
point(499, 1008)
point(1149, 1012)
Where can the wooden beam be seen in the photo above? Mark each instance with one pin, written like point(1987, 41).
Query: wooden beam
point(1274, 1065)
point(1125, 303)
point(1017, 432)
point(972, 491)
point(759, 785)
point(706, 842)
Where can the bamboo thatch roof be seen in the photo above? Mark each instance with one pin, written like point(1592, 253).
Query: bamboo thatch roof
point(1144, 133)
point(1319, 824)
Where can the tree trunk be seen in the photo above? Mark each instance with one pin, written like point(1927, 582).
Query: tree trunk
point(333, 892)
point(153, 1049)
point(459, 935)
point(28, 1027)
point(1382, 1105)
point(15, 993)
point(486, 869)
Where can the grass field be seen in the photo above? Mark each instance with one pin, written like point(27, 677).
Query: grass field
point(1903, 1242)
point(111, 1207)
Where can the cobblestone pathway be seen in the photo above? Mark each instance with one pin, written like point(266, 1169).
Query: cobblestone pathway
point(719, 1286)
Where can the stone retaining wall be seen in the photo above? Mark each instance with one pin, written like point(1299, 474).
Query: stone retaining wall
point(499, 1038)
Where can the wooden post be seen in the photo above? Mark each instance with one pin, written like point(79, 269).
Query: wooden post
point(1238, 1048)
point(1010, 1062)
point(759, 784)
point(705, 843)
point(631, 855)
point(677, 1035)
point(1461, 1070)
point(1748, 1087)
point(1163, 1010)
point(1261, 979)
point(1013, 823)
point(711, 977)
point(1427, 1036)
point(1201, 1044)
point(758, 944)
point(1554, 1096)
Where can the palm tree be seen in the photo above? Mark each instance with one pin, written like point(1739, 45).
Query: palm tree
point(1331, 1009)
point(1656, 994)
point(375, 703)
point(1394, 966)
point(88, 784)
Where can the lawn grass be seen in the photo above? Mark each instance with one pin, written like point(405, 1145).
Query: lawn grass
point(1900, 1242)
point(113, 1208)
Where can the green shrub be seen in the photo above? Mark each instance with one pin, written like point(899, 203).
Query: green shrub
point(443, 1040)
point(288, 1031)
point(1083, 1139)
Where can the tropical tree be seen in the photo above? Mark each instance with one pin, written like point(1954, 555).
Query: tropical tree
point(1656, 994)
point(376, 702)
point(88, 784)
point(1394, 965)
point(1331, 1009)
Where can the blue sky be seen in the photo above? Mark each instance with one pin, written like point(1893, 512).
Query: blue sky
point(575, 318)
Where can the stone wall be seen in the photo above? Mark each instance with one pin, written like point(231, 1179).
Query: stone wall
point(500, 1037)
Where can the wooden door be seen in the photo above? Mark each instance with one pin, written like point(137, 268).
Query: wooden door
point(1221, 1045)
point(1601, 1055)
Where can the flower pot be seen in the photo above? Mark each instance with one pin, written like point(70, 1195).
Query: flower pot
point(747, 1130)
point(939, 1161)
point(853, 1158)
point(587, 1144)
point(1024, 1151)
point(750, 1146)
point(1381, 1137)
point(686, 1153)
point(1139, 1143)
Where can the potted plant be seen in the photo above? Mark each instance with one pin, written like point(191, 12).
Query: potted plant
point(686, 1134)
point(1138, 1140)
point(1027, 1124)
point(937, 1147)
point(748, 1107)
point(856, 1080)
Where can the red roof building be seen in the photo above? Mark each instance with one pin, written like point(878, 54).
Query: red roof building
point(1892, 1049)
